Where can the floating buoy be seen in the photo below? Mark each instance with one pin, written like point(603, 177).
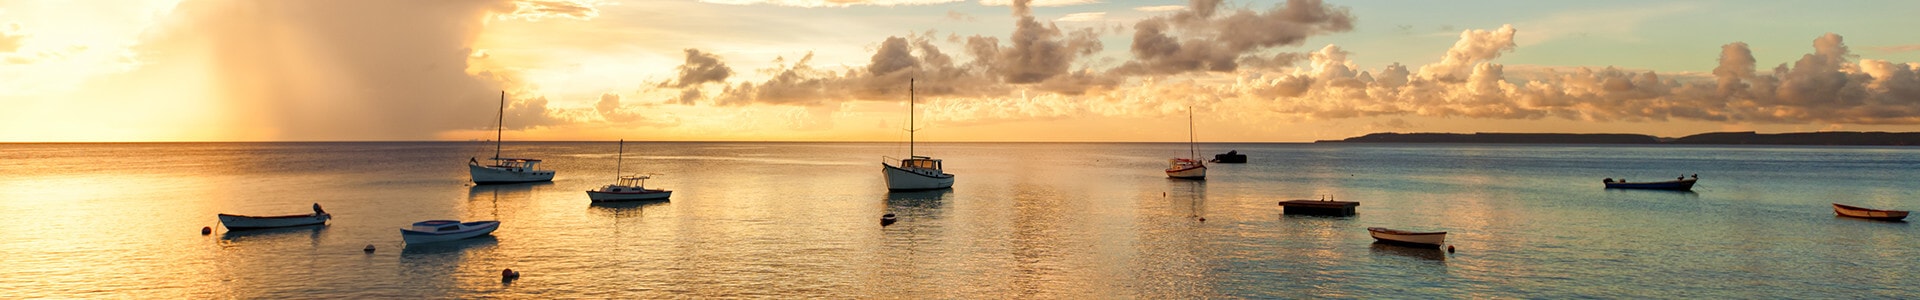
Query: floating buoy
point(206, 230)
point(888, 219)
point(1203, 219)
point(369, 248)
point(1449, 248)
point(509, 275)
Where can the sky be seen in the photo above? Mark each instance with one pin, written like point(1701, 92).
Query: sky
point(981, 70)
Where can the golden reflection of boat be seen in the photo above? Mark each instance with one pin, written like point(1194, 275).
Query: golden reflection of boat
point(455, 246)
point(1433, 254)
point(918, 199)
point(313, 231)
point(624, 209)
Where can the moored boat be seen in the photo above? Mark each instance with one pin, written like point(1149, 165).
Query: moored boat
point(1678, 184)
point(245, 222)
point(1191, 167)
point(1182, 168)
point(1231, 157)
point(446, 230)
point(504, 169)
point(1409, 238)
point(626, 188)
point(916, 172)
point(1868, 213)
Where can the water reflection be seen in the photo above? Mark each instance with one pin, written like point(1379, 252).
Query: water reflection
point(625, 209)
point(489, 196)
point(510, 191)
point(243, 236)
point(920, 201)
point(1190, 196)
point(1901, 222)
point(1630, 192)
point(430, 251)
point(1432, 254)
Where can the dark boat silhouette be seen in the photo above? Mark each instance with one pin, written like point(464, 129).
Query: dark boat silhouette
point(1231, 157)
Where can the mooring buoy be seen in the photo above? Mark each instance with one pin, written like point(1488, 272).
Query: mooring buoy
point(1449, 248)
point(206, 230)
point(369, 248)
point(509, 275)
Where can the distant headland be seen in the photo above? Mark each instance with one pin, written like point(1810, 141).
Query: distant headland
point(1848, 138)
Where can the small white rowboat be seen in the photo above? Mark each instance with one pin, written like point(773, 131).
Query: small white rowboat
point(1410, 238)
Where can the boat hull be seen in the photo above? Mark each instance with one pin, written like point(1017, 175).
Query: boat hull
point(1199, 172)
point(900, 179)
point(599, 196)
point(1408, 238)
point(477, 229)
point(493, 175)
point(240, 222)
point(1675, 185)
point(1868, 213)
point(1229, 158)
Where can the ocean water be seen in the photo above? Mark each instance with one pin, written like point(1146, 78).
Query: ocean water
point(1025, 220)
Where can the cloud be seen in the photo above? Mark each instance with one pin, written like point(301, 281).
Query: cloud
point(12, 39)
point(1037, 3)
point(1474, 46)
point(958, 16)
point(1161, 8)
point(534, 10)
point(1825, 87)
point(298, 70)
point(1201, 39)
point(1083, 17)
point(700, 68)
point(1897, 49)
point(830, 3)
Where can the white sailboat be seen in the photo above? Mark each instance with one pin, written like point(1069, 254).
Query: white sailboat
point(626, 188)
point(1190, 167)
point(504, 169)
point(915, 172)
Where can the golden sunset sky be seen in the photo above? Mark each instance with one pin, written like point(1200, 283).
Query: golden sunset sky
point(986, 70)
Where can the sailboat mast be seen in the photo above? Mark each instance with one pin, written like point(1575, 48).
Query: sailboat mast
point(1191, 151)
point(620, 160)
point(910, 123)
point(499, 125)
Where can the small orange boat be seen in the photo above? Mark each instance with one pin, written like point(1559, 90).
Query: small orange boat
point(1868, 213)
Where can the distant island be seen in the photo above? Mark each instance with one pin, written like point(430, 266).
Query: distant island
point(1837, 138)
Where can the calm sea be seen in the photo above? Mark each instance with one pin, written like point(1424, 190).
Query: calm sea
point(800, 220)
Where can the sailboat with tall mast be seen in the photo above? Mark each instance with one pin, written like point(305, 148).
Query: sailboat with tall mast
point(915, 172)
point(626, 187)
point(1190, 167)
point(506, 169)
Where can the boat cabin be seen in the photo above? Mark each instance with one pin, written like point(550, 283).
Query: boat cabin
point(635, 183)
point(920, 162)
point(436, 225)
point(515, 163)
point(1182, 164)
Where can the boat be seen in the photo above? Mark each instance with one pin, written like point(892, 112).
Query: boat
point(1188, 168)
point(506, 169)
point(245, 222)
point(1409, 238)
point(433, 231)
point(1678, 184)
point(1231, 157)
point(1868, 213)
point(626, 188)
point(915, 173)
